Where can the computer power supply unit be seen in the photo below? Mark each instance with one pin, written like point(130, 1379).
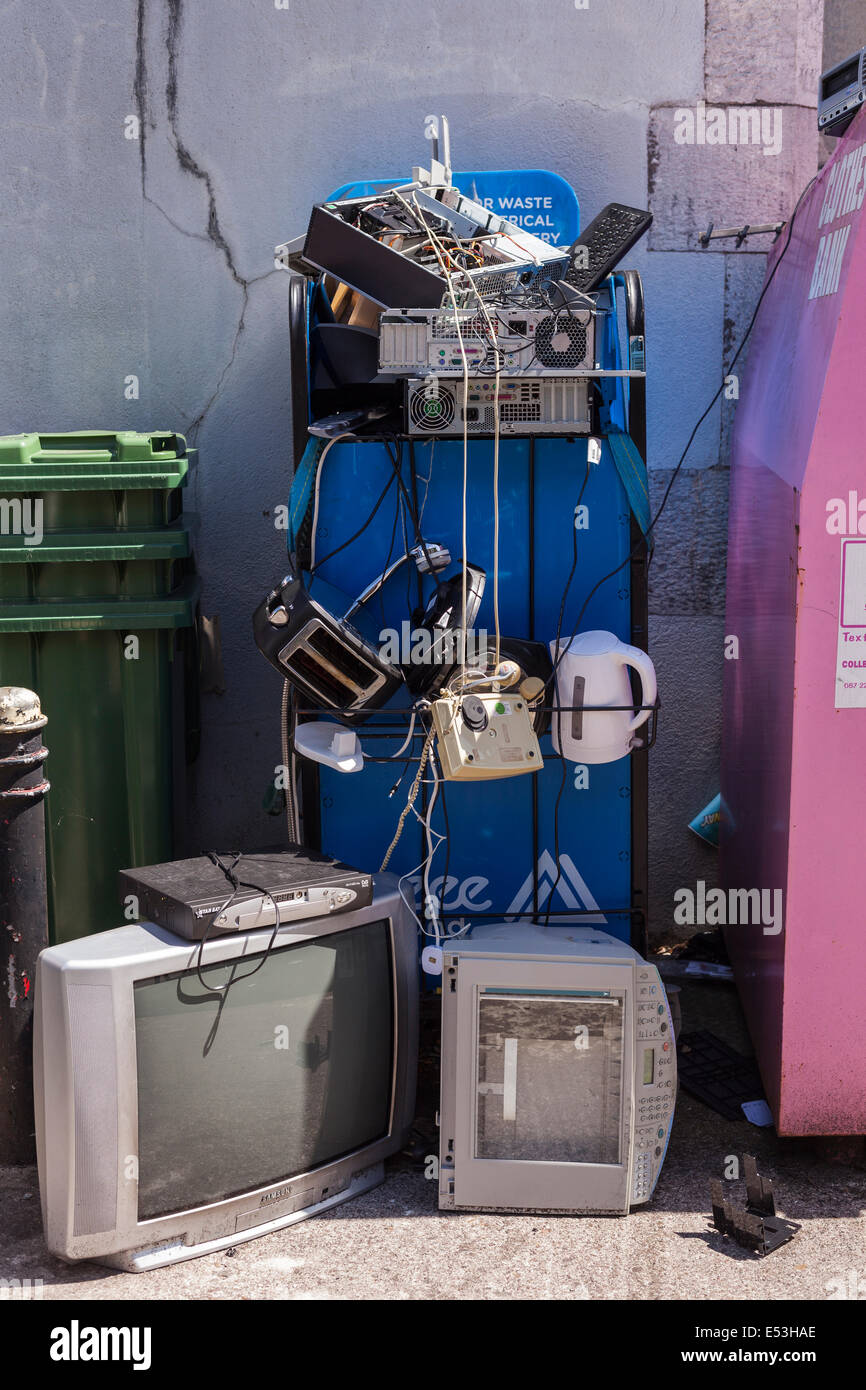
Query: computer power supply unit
point(527, 405)
point(534, 342)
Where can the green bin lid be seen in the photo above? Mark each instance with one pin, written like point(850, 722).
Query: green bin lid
point(125, 446)
point(175, 610)
point(93, 460)
point(154, 543)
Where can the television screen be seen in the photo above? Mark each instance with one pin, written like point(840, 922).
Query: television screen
point(288, 1069)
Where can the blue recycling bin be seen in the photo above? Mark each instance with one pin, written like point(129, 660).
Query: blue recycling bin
point(505, 848)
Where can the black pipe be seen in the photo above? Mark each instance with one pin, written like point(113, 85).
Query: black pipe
point(23, 911)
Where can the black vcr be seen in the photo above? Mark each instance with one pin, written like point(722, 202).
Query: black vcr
point(191, 897)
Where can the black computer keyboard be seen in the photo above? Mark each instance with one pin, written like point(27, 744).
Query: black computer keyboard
point(602, 246)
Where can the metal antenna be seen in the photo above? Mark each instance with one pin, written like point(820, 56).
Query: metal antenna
point(446, 148)
point(436, 131)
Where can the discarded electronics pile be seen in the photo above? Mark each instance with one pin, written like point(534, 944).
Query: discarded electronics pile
point(426, 285)
point(443, 319)
point(434, 317)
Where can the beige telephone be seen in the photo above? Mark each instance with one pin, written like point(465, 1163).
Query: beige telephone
point(482, 736)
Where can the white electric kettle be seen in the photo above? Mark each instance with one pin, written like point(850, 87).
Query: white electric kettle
point(592, 671)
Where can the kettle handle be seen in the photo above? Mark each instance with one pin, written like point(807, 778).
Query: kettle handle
point(633, 656)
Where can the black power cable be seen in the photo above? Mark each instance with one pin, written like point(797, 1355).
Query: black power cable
point(237, 884)
point(558, 707)
point(654, 522)
point(745, 338)
point(397, 463)
point(361, 529)
point(634, 550)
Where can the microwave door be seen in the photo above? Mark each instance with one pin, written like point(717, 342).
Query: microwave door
point(544, 1121)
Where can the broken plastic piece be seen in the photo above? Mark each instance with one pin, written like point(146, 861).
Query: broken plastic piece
point(331, 744)
point(756, 1225)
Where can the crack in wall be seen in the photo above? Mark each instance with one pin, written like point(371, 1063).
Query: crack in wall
point(189, 165)
point(145, 119)
point(185, 158)
point(193, 428)
point(139, 90)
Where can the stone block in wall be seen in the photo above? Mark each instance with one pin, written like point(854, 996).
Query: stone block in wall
point(761, 52)
point(684, 298)
point(727, 165)
point(843, 30)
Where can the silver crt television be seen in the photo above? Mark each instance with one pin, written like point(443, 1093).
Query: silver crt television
point(558, 1072)
point(172, 1121)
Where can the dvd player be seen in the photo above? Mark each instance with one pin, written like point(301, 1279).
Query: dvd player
point(194, 897)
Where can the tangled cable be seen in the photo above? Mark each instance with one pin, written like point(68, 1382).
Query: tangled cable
point(413, 795)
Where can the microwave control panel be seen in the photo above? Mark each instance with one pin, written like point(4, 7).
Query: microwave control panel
point(655, 1081)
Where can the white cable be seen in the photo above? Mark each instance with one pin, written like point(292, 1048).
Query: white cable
point(472, 677)
point(437, 935)
point(427, 481)
point(392, 757)
point(437, 251)
point(409, 908)
point(431, 850)
point(420, 925)
point(424, 869)
point(440, 253)
point(408, 739)
point(322, 456)
point(496, 359)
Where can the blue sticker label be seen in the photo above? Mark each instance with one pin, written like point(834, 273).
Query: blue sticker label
point(536, 200)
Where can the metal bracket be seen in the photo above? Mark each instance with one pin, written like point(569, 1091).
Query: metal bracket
point(741, 233)
point(756, 1225)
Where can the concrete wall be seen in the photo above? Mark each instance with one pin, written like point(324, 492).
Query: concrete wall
point(844, 29)
point(152, 256)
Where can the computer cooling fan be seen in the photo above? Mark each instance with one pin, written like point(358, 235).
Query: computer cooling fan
point(432, 410)
point(561, 341)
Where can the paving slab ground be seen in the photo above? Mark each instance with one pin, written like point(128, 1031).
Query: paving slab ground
point(393, 1243)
